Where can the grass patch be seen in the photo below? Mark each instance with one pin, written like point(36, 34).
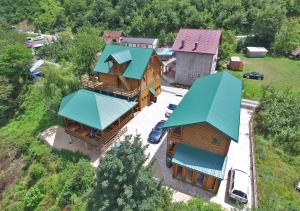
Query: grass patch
point(279, 72)
point(276, 173)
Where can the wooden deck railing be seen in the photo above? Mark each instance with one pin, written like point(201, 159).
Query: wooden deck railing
point(92, 84)
point(118, 91)
point(105, 137)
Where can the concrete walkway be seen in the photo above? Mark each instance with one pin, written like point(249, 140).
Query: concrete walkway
point(57, 138)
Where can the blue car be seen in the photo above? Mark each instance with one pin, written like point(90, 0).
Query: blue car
point(254, 75)
point(157, 133)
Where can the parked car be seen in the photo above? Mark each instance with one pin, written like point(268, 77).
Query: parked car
point(157, 132)
point(297, 186)
point(254, 75)
point(36, 75)
point(171, 107)
point(29, 39)
point(239, 186)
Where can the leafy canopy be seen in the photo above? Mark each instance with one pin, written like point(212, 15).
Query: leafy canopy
point(124, 183)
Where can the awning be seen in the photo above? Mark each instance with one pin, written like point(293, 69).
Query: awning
point(200, 160)
point(152, 91)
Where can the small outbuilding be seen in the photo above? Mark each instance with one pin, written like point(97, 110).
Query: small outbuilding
point(235, 63)
point(256, 51)
point(296, 53)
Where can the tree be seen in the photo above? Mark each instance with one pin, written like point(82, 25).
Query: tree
point(124, 183)
point(287, 38)
point(278, 118)
point(57, 83)
point(49, 16)
point(268, 23)
point(15, 61)
point(84, 49)
point(228, 45)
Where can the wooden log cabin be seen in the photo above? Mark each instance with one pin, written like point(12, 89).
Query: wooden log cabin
point(93, 117)
point(129, 72)
point(201, 128)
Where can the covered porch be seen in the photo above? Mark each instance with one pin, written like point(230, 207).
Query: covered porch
point(95, 118)
point(198, 167)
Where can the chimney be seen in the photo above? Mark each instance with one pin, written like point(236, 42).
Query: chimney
point(182, 44)
point(196, 46)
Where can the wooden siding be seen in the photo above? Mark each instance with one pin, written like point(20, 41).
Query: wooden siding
point(210, 183)
point(150, 80)
point(202, 136)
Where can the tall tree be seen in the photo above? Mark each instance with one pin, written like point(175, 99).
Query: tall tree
point(15, 61)
point(268, 23)
point(287, 38)
point(84, 49)
point(124, 183)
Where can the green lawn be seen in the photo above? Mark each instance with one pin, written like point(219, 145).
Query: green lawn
point(279, 72)
point(276, 176)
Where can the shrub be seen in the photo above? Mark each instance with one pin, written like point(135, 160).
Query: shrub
point(33, 197)
point(36, 171)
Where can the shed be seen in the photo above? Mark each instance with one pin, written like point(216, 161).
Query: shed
point(256, 51)
point(235, 63)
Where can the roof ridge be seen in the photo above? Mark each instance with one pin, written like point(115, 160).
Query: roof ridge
point(214, 97)
point(97, 110)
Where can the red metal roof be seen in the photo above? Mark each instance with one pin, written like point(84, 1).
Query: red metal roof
point(197, 40)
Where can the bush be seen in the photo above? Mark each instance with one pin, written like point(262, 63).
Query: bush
point(79, 183)
point(36, 171)
point(33, 197)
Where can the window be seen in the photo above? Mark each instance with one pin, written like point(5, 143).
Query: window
point(216, 142)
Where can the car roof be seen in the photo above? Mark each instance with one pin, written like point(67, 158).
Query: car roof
point(240, 181)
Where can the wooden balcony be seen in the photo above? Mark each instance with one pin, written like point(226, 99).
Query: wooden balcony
point(118, 91)
point(90, 83)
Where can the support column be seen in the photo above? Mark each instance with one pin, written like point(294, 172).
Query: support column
point(183, 177)
point(174, 170)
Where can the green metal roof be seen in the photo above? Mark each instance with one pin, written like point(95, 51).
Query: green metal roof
point(121, 57)
point(200, 160)
point(93, 109)
point(213, 99)
point(135, 69)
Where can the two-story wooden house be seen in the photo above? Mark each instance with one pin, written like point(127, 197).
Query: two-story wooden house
point(129, 72)
point(128, 78)
point(201, 128)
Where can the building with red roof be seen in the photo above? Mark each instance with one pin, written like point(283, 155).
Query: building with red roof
point(196, 53)
point(112, 36)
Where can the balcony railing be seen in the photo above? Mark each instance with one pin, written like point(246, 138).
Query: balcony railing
point(118, 91)
point(102, 138)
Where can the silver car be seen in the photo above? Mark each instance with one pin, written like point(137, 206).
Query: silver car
point(239, 186)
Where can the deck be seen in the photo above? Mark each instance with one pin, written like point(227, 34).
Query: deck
point(94, 84)
point(101, 139)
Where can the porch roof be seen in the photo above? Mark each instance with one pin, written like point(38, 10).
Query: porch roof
point(200, 160)
point(93, 109)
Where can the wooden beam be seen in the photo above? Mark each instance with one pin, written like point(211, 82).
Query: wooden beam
point(174, 170)
point(183, 176)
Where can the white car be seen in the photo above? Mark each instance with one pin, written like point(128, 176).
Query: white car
point(171, 107)
point(239, 186)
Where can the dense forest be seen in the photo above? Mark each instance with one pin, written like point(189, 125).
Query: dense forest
point(266, 19)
